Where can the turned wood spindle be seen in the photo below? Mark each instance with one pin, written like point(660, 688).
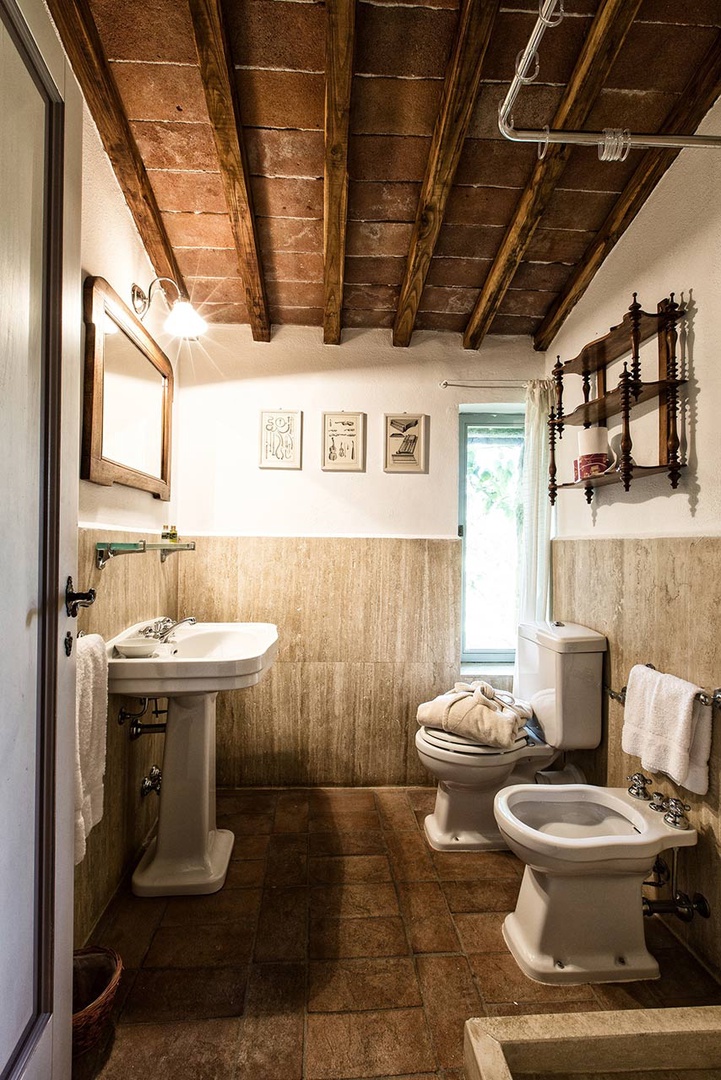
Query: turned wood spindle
point(552, 485)
point(558, 379)
point(635, 310)
point(624, 384)
point(672, 442)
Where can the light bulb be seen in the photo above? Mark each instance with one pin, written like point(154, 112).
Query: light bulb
point(184, 321)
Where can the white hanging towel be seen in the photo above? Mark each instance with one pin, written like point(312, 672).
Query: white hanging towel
point(667, 727)
point(91, 716)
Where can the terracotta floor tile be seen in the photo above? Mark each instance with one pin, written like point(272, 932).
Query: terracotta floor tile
point(476, 865)
point(287, 860)
point(330, 938)
point(225, 906)
point(481, 933)
point(205, 1051)
point(436, 934)
point(250, 847)
point(474, 896)
point(245, 873)
point(270, 1048)
point(500, 979)
point(331, 870)
point(348, 800)
point(410, 858)
point(354, 901)
point(421, 899)
point(683, 978)
point(630, 995)
point(395, 810)
point(245, 801)
point(531, 1008)
point(422, 798)
point(367, 1044)
point(348, 985)
point(450, 998)
point(168, 994)
point(291, 812)
point(206, 946)
point(363, 842)
point(246, 824)
point(282, 926)
point(353, 821)
point(128, 926)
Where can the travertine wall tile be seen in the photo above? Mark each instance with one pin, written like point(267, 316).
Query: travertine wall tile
point(655, 600)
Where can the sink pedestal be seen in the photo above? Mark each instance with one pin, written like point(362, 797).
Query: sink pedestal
point(190, 855)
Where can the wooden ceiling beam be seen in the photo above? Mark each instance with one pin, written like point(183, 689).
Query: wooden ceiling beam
point(460, 90)
point(221, 96)
point(84, 48)
point(340, 42)
point(603, 41)
point(699, 95)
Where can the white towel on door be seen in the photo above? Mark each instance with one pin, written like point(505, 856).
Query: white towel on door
point(667, 727)
point(91, 715)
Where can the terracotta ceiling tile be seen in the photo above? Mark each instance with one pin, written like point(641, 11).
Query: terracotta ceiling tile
point(649, 61)
point(580, 7)
point(377, 238)
point(207, 262)
point(284, 153)
point(296, 316)
point(193, 192)
point(293, 266)
point(512, 325)
point(403, 41)
point(492, 162)
point(469, 241)
point(520, 302)
point(227, 290)
point(638, 110)
point(176, 146)
point(368, 270)
point(468, 273)
point(585, 210)
point(275, 196)
point(156, 30)
point(388, 157)
point(281, 99)
point(161, 91)
point(585, 172)
point(290, 234)
point(395, 106)
point(198, 230)
point(701, 12)
point(481, 205)
point(371, 297)
point(439, 320)
point(535, 106)
point(453, 301)
point(225, 313)
point(374, 320)
point(275, 34)
point(558, 245)
point(383, 202)
point(548, 277)
point(557, 53)
point(453, 5)
point(295, 294)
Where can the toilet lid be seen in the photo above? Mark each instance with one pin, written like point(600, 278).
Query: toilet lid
point(449, 740)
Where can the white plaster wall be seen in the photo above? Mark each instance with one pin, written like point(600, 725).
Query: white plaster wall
point(111, 248)
point(672, 246)
point(225, 382)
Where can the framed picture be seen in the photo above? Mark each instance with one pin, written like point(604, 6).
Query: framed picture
point(406, 443)
point(281, 437)
point(344, 442)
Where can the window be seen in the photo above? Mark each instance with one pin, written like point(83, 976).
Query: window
point(491, 508)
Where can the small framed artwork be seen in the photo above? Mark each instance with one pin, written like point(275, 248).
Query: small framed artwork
point(344, 442)
point(281, 437)
point(406, 443)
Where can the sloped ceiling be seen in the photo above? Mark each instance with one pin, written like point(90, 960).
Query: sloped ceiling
point(462, 231)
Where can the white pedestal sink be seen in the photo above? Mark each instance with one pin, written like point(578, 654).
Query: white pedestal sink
point(190, 854)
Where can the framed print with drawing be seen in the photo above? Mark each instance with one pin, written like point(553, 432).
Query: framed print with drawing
point(406, 443)
point(344, 442)
point(281, 437)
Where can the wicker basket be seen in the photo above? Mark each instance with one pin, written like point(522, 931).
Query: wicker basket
point(96, 974)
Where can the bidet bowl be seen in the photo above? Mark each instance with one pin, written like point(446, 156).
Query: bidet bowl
point(583, 829)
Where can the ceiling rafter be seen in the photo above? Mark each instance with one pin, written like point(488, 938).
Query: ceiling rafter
point(460, 90)
point(81, 41)
point(603, 41)
point(699, 95)
point(340, 41)
point(221, 98)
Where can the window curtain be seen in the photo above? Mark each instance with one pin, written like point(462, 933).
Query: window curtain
point(534, 600)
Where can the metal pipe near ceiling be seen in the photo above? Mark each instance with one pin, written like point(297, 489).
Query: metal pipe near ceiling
point(613, 144)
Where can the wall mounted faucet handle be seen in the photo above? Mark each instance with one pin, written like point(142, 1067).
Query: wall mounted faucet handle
point(676, 814)
point(639, 783)
point(659, 801)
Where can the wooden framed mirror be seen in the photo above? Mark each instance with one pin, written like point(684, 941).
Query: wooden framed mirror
point(128, 397)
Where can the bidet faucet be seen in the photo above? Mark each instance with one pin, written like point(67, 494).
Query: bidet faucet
point(639, 783)
point(168, 630)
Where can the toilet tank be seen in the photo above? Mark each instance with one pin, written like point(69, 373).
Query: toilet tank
point(560, 671)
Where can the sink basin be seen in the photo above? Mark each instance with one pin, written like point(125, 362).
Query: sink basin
point(200, 658)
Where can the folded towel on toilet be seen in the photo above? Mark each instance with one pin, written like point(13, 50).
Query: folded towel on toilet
point(667, 727)
point(91, 719)
point(478, 712)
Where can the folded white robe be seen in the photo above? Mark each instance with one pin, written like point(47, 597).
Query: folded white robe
point(478, 712)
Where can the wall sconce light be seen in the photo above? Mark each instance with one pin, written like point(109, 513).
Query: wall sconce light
point(183, 320)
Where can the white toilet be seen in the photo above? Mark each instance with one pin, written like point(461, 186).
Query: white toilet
point(560, 671)
point(579, 916)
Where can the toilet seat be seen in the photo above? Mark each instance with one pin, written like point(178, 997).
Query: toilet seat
point(451, 741)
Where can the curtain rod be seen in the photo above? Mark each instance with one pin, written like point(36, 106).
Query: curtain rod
point(491, 384)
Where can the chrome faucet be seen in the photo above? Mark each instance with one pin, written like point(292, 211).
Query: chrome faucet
point(161, 629)
point(166, 631)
